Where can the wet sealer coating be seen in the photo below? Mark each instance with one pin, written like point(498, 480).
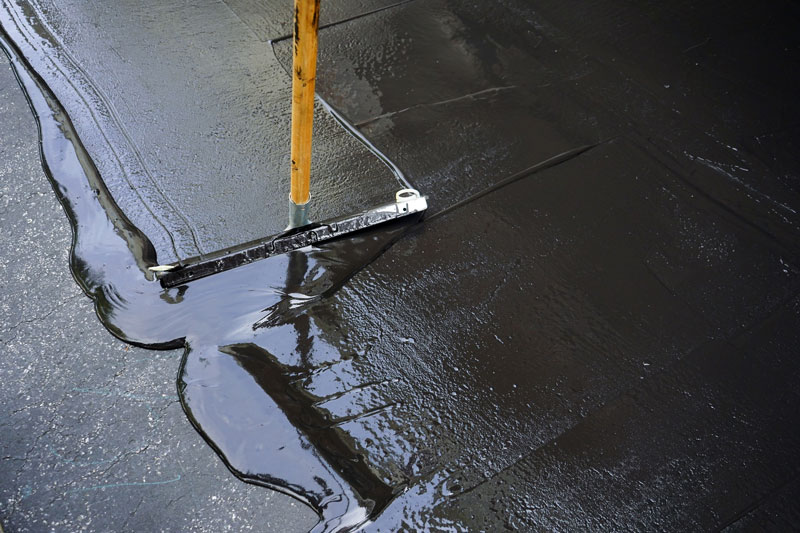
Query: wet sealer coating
point(597, 328)
point(185, 113)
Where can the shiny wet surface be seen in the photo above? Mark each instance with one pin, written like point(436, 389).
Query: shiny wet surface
point(188, 120)
point(92, 433)
point(609, 340)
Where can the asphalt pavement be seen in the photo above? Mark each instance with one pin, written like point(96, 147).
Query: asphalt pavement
point(595, 327)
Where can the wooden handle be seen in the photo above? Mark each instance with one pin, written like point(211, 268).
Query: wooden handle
point(304, 72)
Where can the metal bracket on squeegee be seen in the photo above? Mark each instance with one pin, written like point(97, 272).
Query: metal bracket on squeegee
point(407, 202)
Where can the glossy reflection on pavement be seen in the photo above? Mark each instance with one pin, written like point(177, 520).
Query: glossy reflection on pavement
point(595, 327)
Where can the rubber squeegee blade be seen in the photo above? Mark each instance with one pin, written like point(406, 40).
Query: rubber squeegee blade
point(408, 202)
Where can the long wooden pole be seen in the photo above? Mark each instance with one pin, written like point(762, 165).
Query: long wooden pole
point(304, 71)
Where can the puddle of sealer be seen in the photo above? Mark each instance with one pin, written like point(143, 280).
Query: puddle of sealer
point(248, 337)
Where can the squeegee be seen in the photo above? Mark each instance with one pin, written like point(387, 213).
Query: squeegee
point(301, 232)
